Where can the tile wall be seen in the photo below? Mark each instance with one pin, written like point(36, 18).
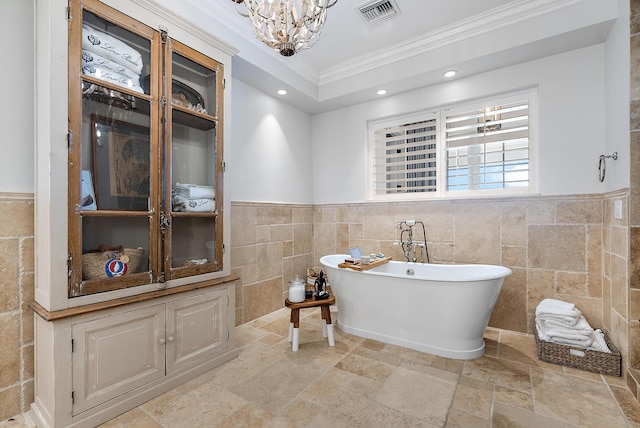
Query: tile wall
point(16, 291)
point(556, 247)
point(568, 247)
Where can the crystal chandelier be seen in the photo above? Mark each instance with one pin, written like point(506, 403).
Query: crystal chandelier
point(287, 26)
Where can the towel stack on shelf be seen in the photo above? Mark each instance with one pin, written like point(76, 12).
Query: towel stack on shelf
point(561, 322)
point(111, 60)
point(194, 198)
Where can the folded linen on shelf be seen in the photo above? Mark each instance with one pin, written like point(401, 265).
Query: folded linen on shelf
point(203, 205)
point(560, 312)
point(195, 191)
point(111, 77)
point(565, 336)
point(94, 61)
point(111, 48)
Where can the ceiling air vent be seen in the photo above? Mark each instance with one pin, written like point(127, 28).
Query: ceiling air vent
point(377, 11)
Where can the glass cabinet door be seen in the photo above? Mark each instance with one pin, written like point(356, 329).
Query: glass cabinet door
point(193, 164)
point(111, 147)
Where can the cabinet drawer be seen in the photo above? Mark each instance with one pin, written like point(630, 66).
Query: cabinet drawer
point(116, 354)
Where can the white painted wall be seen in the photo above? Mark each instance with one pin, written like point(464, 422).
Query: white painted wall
point(570, 132)
point(269, 150)
point(17, 107)
point(617, 101)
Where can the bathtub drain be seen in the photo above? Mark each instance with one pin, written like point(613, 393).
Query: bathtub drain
point(410, 272)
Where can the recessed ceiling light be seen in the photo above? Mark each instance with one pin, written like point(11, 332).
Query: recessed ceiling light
point(450, 73)
point(381, 91)
point(282, 92)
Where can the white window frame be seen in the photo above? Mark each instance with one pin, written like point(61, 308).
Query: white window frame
point(440, 115)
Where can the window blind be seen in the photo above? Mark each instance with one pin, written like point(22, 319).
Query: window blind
point(488, 148)
point(405, 157)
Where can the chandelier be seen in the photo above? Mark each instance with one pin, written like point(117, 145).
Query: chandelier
point(287, 26)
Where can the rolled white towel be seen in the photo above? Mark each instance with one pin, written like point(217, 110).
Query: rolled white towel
point(599, 343)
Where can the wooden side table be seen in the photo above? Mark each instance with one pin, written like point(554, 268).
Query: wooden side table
point(294, 324)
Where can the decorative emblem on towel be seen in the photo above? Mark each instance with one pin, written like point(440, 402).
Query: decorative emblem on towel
point(116, 266)
point(93, 39)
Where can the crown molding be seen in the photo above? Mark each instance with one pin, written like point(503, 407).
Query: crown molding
point(186, 25)
point(487, 22)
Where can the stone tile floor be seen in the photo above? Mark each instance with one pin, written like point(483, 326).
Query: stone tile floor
point(364, 383)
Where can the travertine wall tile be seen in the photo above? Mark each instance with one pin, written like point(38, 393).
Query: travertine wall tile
point(579, 212)
point(281, 232)
point(571, 283)
point(619, 285)
point(558, 247)
point(511, 312)
point(514, 256)
point(635, 64)
point(243, 255)
point(10, 350)
point(243, 222)
point(302, 238)
point(634, 26)
point(16, 319)
point(350, 214)
point(477, 234)
point(542, 212)
point(514, 230)
point(262, 298)
point(17, 218)
point(9, 272)
point(274, 214)
point(594, 260)
point(10, 402)
point(269, 260)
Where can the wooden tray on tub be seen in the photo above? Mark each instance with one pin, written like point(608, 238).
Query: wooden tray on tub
point(360, 267)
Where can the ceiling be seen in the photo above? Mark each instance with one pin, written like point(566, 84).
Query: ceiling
point(352, 60)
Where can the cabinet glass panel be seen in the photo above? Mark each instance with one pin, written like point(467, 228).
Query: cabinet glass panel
point(114, 156)
point(193, 241)
point(193, 163)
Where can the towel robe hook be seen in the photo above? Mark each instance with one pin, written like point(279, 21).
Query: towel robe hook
point(602, 165)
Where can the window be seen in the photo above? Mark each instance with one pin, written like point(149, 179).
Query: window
point(477, 149)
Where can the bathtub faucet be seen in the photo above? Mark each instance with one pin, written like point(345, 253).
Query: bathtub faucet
point(414, 250)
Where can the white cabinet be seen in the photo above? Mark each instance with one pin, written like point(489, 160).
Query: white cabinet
point(196, 329)
point(116, 354)
point(104, 362)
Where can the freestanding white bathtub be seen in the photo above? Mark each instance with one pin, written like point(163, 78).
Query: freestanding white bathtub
point(438, 309)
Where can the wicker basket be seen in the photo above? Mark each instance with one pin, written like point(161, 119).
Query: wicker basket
point(111, 263)
point(580, 358)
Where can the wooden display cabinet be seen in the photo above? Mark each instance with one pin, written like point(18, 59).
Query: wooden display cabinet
point(133, 288)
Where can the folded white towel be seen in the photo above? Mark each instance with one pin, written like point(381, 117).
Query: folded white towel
point(581, 326)
point(193, 205)
point(195, 191)
point(564, 337)
point(556, 307)
point(599, 343)
point(112, 77)
point(111, 48)
point(96, 61)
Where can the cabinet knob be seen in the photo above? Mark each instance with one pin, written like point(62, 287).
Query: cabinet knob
point(170, 339)
point(162, 341)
